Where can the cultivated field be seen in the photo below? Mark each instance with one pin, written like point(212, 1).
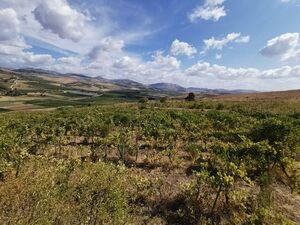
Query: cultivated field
point(215, 160)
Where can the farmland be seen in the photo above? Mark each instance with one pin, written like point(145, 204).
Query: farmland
point(35, 90)
point(231, 159)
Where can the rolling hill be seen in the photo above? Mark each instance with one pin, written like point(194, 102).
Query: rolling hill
point(31, 88)
point(168, 87)
point(36, 79)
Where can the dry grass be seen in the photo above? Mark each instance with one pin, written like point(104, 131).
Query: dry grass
point(293, 95)
point(60, 80)
point(22, 98)
point(19, 106)
point(77, 83)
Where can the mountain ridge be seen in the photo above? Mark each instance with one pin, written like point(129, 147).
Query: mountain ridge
point(124, 83)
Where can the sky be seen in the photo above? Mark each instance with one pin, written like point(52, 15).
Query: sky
point(231, 44)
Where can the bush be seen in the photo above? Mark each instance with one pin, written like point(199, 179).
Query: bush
point(191, 97)
point(63, 192)
point(220, 106)
point(163, 100)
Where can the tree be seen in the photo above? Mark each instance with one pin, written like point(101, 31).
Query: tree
point(190, 97)
point(163, 99)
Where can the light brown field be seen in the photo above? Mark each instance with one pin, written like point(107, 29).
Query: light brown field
point(293, 95)
point(61, 80)
point(5, 99)
point(19, 106)
point(93, 85)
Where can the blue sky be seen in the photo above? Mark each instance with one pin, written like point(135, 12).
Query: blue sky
point(248, 44)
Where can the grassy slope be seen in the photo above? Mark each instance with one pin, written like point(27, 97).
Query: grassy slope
point(44, 91)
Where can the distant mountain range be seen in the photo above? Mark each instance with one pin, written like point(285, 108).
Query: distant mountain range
point(167, 87)
point(127, 83)
point(37, 71)
point(83, 82)
point(177, 88)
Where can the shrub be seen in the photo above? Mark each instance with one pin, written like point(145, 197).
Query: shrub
point(63, 192)
point(191, 97)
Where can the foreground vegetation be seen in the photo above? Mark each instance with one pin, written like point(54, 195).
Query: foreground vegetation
point(161, 162)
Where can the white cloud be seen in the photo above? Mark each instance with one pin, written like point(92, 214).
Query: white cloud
point(243, 39)
point(58, 17)
point(107, 45)
point(13, 49)
point(211, 10)
point(182, 48)
point(219, 44)
point(13, 56)
point(214, 2)
point(167, 62)
point(72, 64)
point(100, 20)
point(9, 25)
point(286, 47)
point(205, 69)
point(159, 68)
point(287, 1)
point(126, 62)
point(207, 13)
point(165, 68)
point(91, 32)
point(70, 60)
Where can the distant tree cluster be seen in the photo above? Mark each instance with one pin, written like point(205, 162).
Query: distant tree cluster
point(191, 97)
point(14, 93)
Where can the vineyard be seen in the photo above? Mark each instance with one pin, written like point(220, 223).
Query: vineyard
point(152, 162)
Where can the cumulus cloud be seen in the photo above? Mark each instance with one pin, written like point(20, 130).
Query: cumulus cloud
point(13, 49)
point(286, 47)
point(71, 64)
point(58, 17)
point(9, 24)
point(167, 62)
point(214, 2)
point(160, 67)
point(219, 44)
point(207, 13)
point(166, 68)
point(205, 69)
point(126, 62)
point(211, 10)
point(15, 56)
point(70, 60)
point(107, 45)
point(182, 48)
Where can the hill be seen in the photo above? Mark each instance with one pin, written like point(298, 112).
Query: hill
point(32, 88)
point(128, 83)
point(26, 89)
point(169, 87)
point(219, 91)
